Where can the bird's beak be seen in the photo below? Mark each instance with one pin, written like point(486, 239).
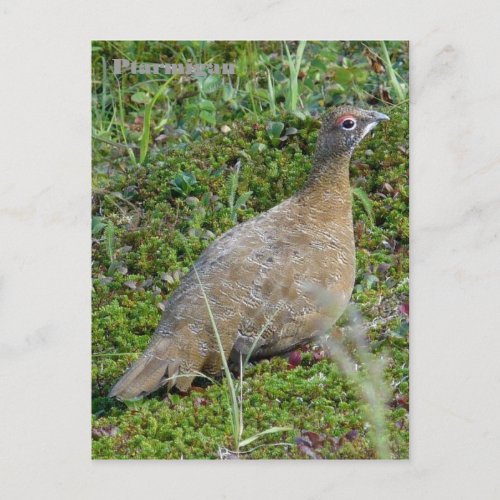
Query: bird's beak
point(378, 117)
point(375, 118)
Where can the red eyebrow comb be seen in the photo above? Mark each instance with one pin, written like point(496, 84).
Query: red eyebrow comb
point(340, 119)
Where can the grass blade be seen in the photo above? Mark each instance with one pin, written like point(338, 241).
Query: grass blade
point(144, 146)
point(121, 124)
point(109, 241)
point(272, 98)
point(361, 195)
point(392, 75)
point(271, 430)
point(233, 187)
point(294, 66)
point(255, 342)
point(234, 406)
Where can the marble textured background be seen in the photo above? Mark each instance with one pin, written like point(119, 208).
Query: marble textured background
point(45, 249)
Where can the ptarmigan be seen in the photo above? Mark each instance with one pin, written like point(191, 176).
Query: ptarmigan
point(270, 269)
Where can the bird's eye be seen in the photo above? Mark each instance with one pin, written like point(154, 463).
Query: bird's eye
point(348, 124)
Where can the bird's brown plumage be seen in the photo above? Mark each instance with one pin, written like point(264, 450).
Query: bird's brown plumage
point(274, 269)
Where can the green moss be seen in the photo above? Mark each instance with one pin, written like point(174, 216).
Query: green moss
point(152, 227)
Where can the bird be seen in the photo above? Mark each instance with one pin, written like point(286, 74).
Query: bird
point(270, 284)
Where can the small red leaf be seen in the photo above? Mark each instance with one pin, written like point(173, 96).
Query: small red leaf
point(405, 309)
point(200, 402)
point(294, 359)
point(401, 401)
point(314, 438)
point(352, 435)
point(318, 355)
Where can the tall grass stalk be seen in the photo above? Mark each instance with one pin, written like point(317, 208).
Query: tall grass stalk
point(101, 125)
point(235, 403)
point(105, 87)
point(233, 202)
point(99, 102)
point(144, 146)
point(109, 241)
point(272, 97)
point(233, 186)
point(233, 399)
point(400, 93)
point(366, 372)
point(293, 95)
point(361, 195)
point(121, 123)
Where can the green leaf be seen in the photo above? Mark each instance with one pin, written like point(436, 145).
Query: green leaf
point(183, 183)
point(262, 94)
point(208, 117)
point(211, 84)
point(318, 64)
point(274, 129)
point(402, 331)
point(140, 98)
point(242, 199)
point(257, 147)
point(371, 281)
point(299, 115)
point(343, 76)
point(227, 92)
point(206, 105)
point(360, 75)
point(97, 225)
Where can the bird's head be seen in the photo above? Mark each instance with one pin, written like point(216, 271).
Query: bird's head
point(343, 128)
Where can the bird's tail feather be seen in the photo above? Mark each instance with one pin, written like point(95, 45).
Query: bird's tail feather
point(146, 375)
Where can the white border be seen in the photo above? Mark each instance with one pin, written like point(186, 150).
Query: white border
point(45, 254)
